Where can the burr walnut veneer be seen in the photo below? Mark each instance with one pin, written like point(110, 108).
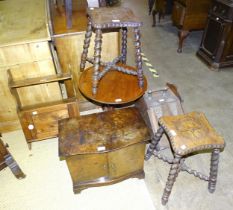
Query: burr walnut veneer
point(103, 148)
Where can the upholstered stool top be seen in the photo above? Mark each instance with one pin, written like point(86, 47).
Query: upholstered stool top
point(190, 132)
point(114, 17)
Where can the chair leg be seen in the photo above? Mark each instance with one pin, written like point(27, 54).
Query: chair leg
point(154, 18)
point(97, 56)
point(137, 44)
point(174, 170)
point(86, 46)
point(124, 45)
point(213, 170)
point(182, 35)
point(154, 142)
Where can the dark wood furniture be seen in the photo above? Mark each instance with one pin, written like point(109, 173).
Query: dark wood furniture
point(103, 148)
point(160, 7)
point(102, 19)
point(6, 159)
point(157, 103)
point(115, 87)
point(104, 3)
point(216, 47)
point(188, 134)
point(189, 15)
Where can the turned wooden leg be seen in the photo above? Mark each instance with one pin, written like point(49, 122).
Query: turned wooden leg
point(68, 6)
point(182, 35)
point(137, 44)
point(124, 45)
point(151, 5)
point(154, 18)
point(174, 170)
point(86, 46)
point(97, 57)
point(213, 170)
point(154, 142)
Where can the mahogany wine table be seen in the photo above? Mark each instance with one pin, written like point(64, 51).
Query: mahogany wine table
point(114, 88)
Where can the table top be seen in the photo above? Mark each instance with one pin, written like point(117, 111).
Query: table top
point(23, 21)
point(114, 88)
point(101, 132)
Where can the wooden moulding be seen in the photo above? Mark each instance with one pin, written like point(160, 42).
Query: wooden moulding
point(39, 80)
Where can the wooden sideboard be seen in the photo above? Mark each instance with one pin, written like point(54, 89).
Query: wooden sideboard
point(189, 15)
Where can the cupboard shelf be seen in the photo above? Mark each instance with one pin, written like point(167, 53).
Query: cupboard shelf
point(40, 80)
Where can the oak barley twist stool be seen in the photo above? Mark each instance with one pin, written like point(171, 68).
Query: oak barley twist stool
point(100, 19)
point(187, 134)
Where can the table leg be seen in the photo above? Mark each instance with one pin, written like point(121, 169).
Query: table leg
point(68, 6)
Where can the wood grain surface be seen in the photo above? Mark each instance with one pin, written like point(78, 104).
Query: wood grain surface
point(24, 21)
point(114, 88)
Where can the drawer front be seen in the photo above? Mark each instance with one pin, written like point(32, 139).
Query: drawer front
point(42, 123)
point(178, 14)
point(126, 161)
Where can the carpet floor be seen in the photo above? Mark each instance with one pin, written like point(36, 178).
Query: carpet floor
point(48, 185)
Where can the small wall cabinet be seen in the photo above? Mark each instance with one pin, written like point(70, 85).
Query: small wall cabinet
point(40, 121)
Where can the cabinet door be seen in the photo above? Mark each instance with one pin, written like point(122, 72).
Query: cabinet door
point(87, 168)
point(126, 161)
point(46, 120)
point(42, 123)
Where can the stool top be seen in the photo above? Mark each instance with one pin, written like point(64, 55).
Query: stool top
point(112, 17)
point(101, 132)
point(191, 132)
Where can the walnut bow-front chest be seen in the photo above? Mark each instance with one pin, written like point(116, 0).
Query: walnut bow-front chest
point(103, 148)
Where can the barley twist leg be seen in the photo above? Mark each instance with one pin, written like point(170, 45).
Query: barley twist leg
point(137, 44)
point(213, 170)
point(97, 57)
point(175, 167)
point(86, 46)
